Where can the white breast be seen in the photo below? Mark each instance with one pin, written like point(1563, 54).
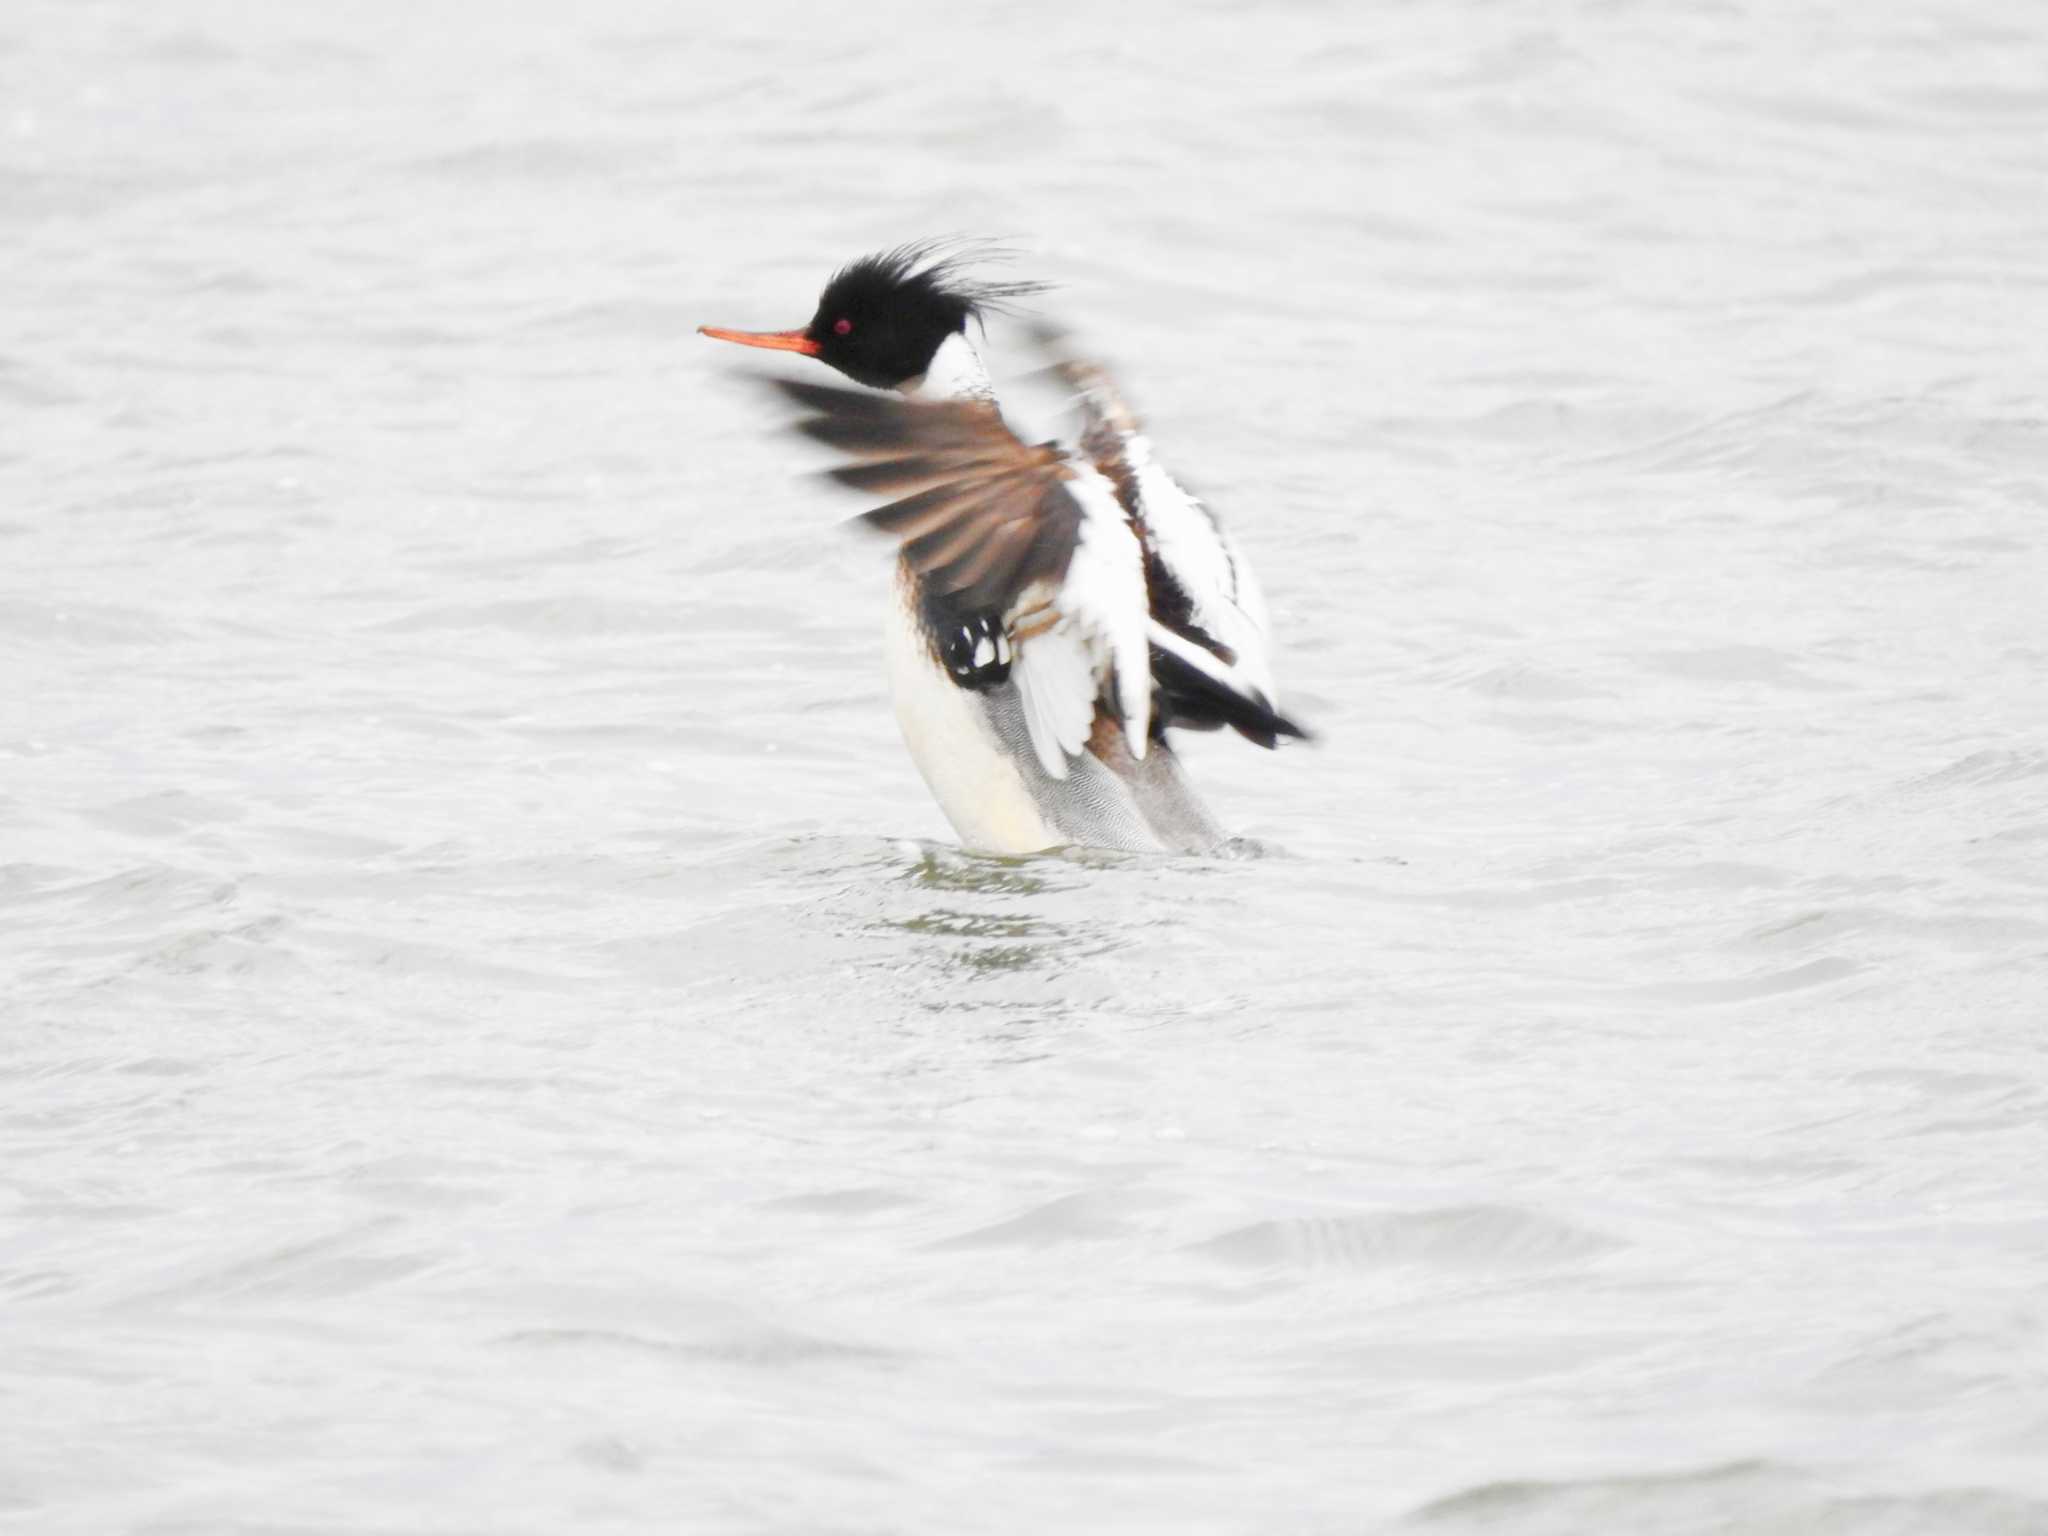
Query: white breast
point(974, 750)
point(978, 784)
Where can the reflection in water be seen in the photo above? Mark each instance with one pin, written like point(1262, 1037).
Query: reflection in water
point(1008, 928)
point(943, 868)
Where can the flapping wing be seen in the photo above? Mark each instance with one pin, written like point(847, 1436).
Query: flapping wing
point(1027, 532)
point(980, 515)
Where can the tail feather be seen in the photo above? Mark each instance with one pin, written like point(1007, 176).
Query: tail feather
point(1199, 686)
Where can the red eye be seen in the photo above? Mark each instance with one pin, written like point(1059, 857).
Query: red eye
point(842, 327)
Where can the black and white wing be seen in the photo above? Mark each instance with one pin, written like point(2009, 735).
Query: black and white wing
point(1030, 534)
point(1212, 652)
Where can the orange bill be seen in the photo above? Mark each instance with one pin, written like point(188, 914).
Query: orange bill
point(775, 341)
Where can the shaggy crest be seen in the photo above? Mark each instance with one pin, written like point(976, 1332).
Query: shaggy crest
point(938, 272)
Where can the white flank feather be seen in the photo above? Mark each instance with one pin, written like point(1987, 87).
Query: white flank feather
point(1099, 635)
point(1055, 676)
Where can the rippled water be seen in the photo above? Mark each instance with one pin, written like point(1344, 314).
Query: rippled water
point(497, 1038)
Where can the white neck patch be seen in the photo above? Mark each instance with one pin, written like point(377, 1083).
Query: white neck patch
point(956, 373)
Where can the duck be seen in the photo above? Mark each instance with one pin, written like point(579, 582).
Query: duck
point(1058, 607)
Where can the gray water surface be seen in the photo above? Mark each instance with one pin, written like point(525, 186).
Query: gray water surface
point(497, 1038)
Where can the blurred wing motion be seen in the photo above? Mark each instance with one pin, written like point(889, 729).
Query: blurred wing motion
point(1028, 536)
point(1113, 589)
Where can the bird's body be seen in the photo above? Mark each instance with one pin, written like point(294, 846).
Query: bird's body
point(1055, 610)
point(976, 753)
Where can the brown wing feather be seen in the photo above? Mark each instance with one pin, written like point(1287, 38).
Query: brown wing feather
point(980, 514)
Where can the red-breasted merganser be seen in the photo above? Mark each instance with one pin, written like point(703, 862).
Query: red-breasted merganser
point(1058, 608)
